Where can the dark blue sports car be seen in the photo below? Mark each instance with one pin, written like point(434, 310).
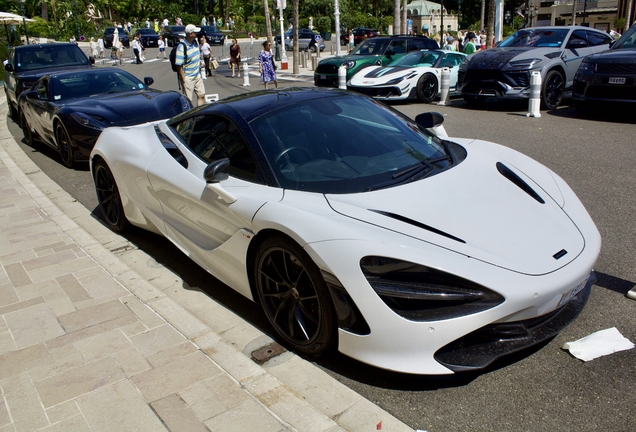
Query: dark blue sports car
point(68, 111)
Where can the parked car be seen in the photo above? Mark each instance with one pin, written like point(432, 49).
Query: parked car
point(109, 34)
point(359, 34)
point(417, 75)
point(172, 34)
point(212, 35)
point(380, 50)
point(69, 110)
point(304, 37)
point(504, 71)
point(609, 76)
point(356, 227)
point(28, 63)
point(148, 37)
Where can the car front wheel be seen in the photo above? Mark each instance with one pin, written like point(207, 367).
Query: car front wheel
point(26, 130)
point(294, 296)
point(108, 197)
point(427, 88)
point(553, 88)
point(64, 145)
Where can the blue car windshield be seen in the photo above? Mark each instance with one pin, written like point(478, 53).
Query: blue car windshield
point(418, 58)
point(627, 41)
point(346, 144)
point(536, 38)
point(48, 56)
point(89, 83)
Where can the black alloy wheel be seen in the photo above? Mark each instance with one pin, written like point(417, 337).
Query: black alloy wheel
point(427, 88)
point(109, 199)
point(294, 296)
point(553, 89)
point(64, 145)
point(26, 130)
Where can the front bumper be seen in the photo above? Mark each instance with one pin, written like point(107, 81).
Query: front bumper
point(596, 87)
point(494, 83)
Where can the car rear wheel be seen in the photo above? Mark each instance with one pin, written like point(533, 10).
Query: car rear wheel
point(26, 130)
point(553, 88)
point(294, 296)
point(109, 199)
point(64, 146)
point(427, 88)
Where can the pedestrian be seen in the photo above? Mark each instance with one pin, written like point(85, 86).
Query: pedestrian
point(165, 22)
point(136, 46)
point(482, 39)
point(266, 65)
point(451, 44)
point(156, 25)
point(162, 47)
point(73, 40)
point(188, 62)
point(351, 40)
point(147, 22)
point(178, 21)
point(100, 43)
point(235, 57)
point(206, 53)
point(93, 47)
point(469, 45)
point(204, 21)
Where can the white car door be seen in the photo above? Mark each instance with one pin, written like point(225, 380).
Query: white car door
point(200, 218)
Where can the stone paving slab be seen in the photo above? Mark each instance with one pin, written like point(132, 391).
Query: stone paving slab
point(96, 336)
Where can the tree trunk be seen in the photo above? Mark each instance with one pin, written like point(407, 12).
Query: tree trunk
point(573, 13)
point(227, 13)
point(490, 33)
point(404, 21)
point(268, 22)
point(45, 11)
point(628, 16)
point(396, 16)
point(483, 14)
point(296, 67)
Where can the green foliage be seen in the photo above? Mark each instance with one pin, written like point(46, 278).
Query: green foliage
point(323, 24)
point(386, 22)
point(620, 24)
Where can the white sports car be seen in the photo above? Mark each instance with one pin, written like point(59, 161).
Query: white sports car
point(417, 75)
point(356, 227)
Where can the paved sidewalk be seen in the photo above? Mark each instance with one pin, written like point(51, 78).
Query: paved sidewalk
point(96, 336)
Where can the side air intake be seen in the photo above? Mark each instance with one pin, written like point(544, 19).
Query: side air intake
point(510, 175)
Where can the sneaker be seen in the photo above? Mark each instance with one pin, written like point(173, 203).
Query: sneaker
point(632, 293)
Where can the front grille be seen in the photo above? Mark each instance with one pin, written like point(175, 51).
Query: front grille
point(377, 91)
point(617, 92)
point(616, 68)
point(326, 68)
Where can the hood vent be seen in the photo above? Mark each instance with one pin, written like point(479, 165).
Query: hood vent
point(510, 175)
point(417, 224)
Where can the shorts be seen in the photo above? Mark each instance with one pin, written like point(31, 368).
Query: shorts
point(193, 87)
point(162, 49)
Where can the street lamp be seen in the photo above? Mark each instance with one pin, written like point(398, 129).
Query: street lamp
point(26, 33)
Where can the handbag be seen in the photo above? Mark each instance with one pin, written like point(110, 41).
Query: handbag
point(273, 63)
point(215, 64)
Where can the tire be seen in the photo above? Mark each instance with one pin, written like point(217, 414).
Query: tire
point(13, 112)
point(109, 199)
point(553, 89)
point(64, 145)
point(294, 296)
point(26, 130)
point(427, 88)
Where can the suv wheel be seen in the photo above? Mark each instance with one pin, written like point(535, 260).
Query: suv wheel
point(553, 88)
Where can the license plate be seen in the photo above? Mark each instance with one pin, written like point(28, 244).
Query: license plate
point(571, 293)
point(323, 77)
point(617, 80)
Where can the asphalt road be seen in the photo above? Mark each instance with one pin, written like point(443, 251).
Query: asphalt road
point(541, 389)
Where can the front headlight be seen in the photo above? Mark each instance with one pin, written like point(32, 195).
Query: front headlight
point(420, 293)
point(524, 64)
point(348, 64)
point(97, 123)
point(587, 65)
point(400, 79)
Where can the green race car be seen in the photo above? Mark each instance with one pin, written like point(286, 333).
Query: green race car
point(380, 50)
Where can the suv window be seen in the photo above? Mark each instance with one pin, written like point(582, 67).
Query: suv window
point(398, 46)
point(596, 38)
point(421, 43)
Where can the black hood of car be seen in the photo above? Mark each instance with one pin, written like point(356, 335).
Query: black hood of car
point(495, 58)
point(131, 107)
point(622, 56)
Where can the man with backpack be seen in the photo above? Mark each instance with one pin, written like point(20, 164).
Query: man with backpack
point(187, 64)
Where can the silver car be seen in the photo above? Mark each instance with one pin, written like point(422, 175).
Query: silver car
point(505, 71)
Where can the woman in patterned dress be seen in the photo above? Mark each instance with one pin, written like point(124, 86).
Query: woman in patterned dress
point(266, 65)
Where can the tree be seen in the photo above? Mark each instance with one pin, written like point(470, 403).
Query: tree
point(296, 68)
point(396, 17)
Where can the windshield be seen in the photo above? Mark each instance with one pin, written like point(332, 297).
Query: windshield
point(627, 41)
point(146, 31)
point(345, 145)
point(373, 46)
point(92, 83)
point(418, 58)
point(536, 38)
point(209, 29)
point(48, 56)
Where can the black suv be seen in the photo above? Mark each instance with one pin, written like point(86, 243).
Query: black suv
point(28, 63)
point(609, 76)
point(379, 50)
point(172, 34)
point(121, 34)
point(147, 37)
point(212, 35)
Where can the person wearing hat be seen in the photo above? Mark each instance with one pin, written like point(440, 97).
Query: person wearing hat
point(188, 62)
point(469, 45)
point(451, 44)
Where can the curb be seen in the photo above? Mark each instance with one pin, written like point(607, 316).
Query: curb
point(299, 394)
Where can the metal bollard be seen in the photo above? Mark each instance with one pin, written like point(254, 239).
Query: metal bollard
point(314, 62)
point(303, 60)
point(246, 74)
point(342, 77)
point(534, 105)
point(444, 87)
point(332, 49)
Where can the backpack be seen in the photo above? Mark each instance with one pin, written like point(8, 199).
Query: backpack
point(173, 56)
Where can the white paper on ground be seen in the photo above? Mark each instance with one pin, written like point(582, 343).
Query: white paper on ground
point(598, 344)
